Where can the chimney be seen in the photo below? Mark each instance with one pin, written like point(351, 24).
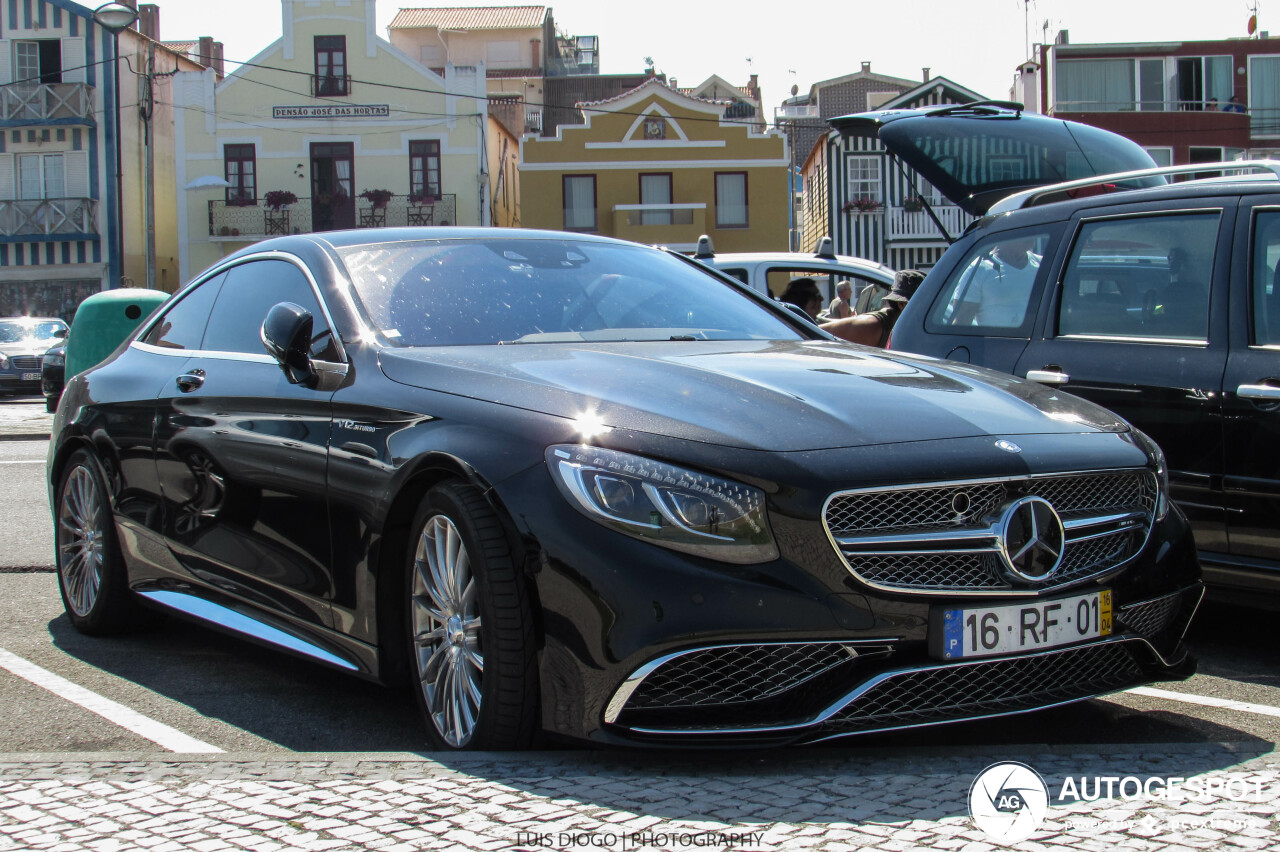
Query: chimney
point(673, 82)
point(866, 68)
point(206, 51)
point(926, 69)
point(149, 21)
point(536, 44)
point(754, 86)
point(217, 59)
point(1062, 38)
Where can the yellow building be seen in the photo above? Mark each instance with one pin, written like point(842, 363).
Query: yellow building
point(657, 166)
point(328, 127)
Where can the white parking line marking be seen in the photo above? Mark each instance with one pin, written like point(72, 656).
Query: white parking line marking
point(1207, 701)
point(158, 733)
point(22, 461)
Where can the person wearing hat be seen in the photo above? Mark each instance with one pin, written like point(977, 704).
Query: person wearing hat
point(872, 329)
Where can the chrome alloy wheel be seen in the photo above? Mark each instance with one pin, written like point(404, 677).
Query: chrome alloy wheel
point(446, 631)
point(81, 540)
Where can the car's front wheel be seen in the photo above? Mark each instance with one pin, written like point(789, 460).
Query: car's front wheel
point(470, 624)
point(91, 571)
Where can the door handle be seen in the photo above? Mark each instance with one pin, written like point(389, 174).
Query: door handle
point(1048, 376)
point(1270, 393)
point(188, 382)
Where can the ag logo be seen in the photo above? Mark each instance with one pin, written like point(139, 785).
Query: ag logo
point(1008, 801)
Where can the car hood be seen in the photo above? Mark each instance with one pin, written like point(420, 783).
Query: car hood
point(956, 148)
point(782, 396)
point(27, 347)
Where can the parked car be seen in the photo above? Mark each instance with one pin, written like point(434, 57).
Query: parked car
point(1159, 303)
point(53, 374)
point(23, 341)
point(769, 272)
point(568, 484)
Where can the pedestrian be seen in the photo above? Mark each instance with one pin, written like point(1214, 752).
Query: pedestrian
point(1233, 105)
point(804, 294)
point(1212, 105)
point(841, 306)
point(873, 329)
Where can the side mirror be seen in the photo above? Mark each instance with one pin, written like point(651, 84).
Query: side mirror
point(286, 332)
point(61, 333)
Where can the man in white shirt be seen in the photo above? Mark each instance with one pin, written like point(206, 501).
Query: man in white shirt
point(1002, 283)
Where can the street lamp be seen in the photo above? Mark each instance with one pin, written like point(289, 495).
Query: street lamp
point(114, 17)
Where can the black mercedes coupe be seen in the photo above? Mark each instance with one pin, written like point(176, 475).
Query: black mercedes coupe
point(566, 485)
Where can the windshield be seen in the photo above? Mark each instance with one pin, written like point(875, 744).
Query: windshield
point(14, 332)
point(496, 291)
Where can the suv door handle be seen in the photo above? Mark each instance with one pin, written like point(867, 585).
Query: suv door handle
point(188, 382)
point(1053, 376)
point(1268, 392)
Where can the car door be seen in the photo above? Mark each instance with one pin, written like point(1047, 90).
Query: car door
point(1136, 322)
point(242, 453)
point(1251, 400)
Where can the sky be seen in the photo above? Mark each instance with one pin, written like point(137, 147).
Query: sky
point(976, 43)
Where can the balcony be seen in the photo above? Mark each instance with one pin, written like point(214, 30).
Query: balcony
point(659, 223)
point(228, 221)
point(27, 102)
point(900, 224)
point(44, 216)
point(796, 111)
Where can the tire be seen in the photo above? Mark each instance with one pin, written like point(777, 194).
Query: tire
point(471, 645)
point(91, 571)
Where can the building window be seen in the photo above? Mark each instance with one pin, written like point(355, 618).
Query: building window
point(864, 178)
point(580, 202)
point(1204, 82)
point(41, 176)
point(1264, 95)
point(731, 199)
point(240, 170)
point(38, 61)
point(331, 67)
point(1163, 155)
point(424, 169)
point(655, 189)
point(1095, 85)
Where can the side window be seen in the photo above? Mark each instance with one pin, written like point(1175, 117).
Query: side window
point(182, 324)
point(990, 290)
point(1264, 301)
point(252, 289)
point(1141, 277)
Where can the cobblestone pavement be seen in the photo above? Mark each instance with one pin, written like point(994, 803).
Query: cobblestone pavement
point(834, 799)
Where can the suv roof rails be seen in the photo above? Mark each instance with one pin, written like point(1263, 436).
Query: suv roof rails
point(1031, 197)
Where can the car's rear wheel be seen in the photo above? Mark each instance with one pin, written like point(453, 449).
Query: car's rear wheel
point(91, 571)
point(470, 626)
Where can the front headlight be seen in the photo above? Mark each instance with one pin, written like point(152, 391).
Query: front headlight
point(667, 505)
point(1162, 471)
point(4, 361)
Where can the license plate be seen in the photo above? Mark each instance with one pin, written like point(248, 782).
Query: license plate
point(31, 377)
point(989, 631)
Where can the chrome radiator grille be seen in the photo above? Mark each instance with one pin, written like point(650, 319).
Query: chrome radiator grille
point(944, 538)
point(26, 362)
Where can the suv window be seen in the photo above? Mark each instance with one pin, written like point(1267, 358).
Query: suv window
point(182, 326)
point(252, 289)
point(1140, 277)
point(989, 292)
point(1265, 301)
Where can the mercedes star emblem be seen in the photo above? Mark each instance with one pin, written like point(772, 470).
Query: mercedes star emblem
point(1031, 539)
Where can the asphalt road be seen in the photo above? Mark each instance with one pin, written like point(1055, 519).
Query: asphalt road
point(237, 698)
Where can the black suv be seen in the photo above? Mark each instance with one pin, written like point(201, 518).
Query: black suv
point(1160, 302)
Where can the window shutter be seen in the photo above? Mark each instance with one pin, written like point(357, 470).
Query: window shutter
point(76, 164)
point(73, 70)
point(7, 188)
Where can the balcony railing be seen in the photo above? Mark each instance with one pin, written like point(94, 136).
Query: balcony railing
point(330, 85)
point(256, 220)
point(787, 113)
point(48, 216)
point(46, 101)
point(901, 224)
